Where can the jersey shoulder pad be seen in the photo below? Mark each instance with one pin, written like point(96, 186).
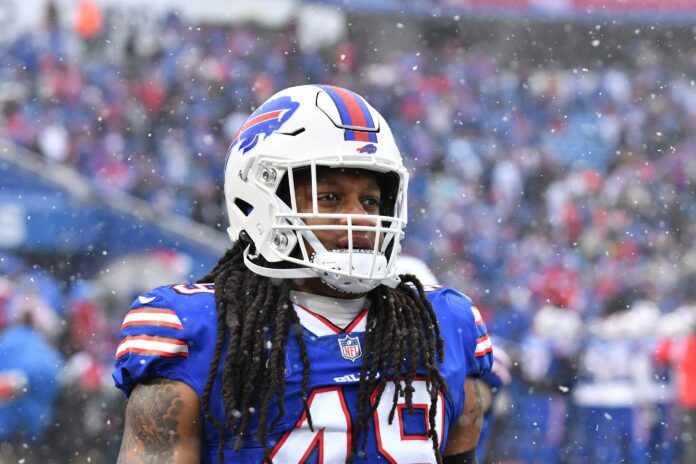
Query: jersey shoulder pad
point(457, 312)
point(452, 303)
point(165, 333)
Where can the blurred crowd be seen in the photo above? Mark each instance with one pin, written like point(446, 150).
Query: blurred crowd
point(57, 340)
point(560, 198)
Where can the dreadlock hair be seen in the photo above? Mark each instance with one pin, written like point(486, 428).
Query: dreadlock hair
point(255, 317)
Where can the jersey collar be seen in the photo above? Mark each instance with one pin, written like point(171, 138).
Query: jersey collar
point(322, 327)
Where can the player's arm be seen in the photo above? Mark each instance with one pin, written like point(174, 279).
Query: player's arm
point(486, 392)
point(162, 424)
point(464, 434)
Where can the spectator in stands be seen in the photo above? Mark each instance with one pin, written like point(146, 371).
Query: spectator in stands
point(678, 349)
point(615, 389)
point(29, 383)
point(547, 367)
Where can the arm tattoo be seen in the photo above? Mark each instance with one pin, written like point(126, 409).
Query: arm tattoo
point(152, 423)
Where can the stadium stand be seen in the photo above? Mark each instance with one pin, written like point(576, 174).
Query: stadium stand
point(556, 171)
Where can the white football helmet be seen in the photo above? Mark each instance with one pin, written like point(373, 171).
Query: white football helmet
point(306, 127)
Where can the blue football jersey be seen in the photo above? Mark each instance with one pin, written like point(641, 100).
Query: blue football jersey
point(171, 331)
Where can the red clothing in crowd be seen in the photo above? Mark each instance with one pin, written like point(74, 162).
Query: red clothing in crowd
point(681, 353)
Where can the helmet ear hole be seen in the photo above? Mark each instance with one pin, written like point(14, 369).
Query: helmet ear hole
point(243, 206)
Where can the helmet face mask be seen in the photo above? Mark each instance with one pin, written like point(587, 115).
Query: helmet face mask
point(265, 163)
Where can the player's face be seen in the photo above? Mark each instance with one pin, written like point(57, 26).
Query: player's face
point(341, 191)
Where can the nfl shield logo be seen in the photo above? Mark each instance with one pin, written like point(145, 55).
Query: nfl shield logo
point(350, 347)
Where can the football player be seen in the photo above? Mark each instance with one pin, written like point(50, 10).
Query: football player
point(616, 387)
point(303, 344)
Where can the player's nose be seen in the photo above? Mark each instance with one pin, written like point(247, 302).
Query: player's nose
point(356, 208)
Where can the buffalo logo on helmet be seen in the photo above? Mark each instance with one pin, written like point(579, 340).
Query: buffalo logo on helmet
point(369, 148)
point(350, 347)
point(263, 122)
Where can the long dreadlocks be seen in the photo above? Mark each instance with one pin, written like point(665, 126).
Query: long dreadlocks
point(255, 317)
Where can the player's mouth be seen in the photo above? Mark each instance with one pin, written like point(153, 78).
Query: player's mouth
point(359, 243)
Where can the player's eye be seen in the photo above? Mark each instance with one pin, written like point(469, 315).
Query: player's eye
point(372, 202)
point(327, 197)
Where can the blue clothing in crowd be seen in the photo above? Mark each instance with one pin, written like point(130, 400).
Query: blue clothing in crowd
point(23, 349)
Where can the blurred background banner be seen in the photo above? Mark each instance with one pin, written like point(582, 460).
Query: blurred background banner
point(552, 151)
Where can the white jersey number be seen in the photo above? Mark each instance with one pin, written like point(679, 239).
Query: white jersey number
point(331, 438)
point(393, 440)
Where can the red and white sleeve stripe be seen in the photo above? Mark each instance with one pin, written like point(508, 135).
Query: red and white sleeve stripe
point(483, 346)
point(477, 316)
point(152, 346)
point(153, 317)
